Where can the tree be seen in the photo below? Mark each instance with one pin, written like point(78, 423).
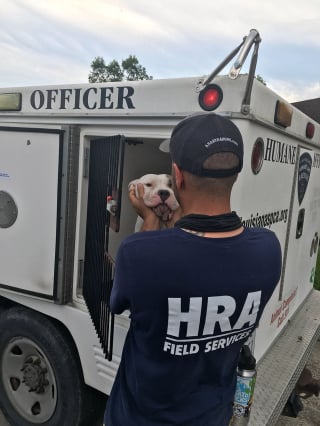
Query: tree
point(133, 70)
point(259, 78)
point(130, 69)
point(98, 70)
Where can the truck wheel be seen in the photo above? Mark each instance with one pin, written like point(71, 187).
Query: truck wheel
point(40, 378)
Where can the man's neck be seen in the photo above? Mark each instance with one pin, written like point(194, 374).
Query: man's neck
point(206, 208)
point(205, 203)
point(209, 208)
point(216, 234)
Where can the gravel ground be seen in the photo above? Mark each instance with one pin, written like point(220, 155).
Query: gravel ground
point(309, 416)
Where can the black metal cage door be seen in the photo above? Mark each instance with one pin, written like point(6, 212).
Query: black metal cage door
point(105, 182)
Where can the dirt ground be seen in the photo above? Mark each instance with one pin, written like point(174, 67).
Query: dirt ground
point(310, 415)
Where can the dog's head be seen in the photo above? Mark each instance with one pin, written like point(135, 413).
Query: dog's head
point(158, 194)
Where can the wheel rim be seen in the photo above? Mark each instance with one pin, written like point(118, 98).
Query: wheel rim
point(28, 380)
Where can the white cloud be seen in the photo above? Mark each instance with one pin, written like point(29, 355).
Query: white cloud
point(103, 18)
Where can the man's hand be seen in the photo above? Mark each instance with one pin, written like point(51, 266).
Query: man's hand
point(175, 216)
point(151, 222)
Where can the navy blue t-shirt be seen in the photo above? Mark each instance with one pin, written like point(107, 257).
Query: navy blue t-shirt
point(193, 302)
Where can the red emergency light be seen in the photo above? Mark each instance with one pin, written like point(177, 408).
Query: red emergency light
point(257, 156)
point(310, 130)
point(210, 97)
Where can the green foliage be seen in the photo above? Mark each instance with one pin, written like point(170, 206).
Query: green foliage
point(130, 69)
point(259, 78)
point(133, 70)
point(98, 70)
point(317, 274)
point(113, 72)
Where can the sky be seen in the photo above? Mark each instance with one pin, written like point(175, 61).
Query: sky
point(44, 42)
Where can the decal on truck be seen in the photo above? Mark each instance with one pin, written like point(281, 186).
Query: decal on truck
point(314, 245)
point(280, 152)
point(304, 171)
point(316, 161)
point(283, 310)
point(265, 220)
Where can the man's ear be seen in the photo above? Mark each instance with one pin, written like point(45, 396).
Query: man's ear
point(179, 177)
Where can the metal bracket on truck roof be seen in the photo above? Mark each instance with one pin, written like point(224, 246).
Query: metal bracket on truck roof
point(248, 41)
point(252, 39)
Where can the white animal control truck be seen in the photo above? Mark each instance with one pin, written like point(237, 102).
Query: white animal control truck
point(67, 154)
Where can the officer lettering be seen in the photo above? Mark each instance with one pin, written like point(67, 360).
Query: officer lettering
point(90, 98)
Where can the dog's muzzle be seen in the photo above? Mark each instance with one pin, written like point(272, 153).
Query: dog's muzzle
point(163, 212)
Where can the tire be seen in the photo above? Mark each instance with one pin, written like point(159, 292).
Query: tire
point(40, 376)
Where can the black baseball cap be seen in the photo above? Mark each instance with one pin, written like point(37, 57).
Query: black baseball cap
point(197, 137)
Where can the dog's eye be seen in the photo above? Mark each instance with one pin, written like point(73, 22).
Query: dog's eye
point(148, 185)
point(170, 184)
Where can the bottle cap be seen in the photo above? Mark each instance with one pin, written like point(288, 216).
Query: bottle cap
point(247, 361)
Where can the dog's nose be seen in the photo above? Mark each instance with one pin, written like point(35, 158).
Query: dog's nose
point(163, 194)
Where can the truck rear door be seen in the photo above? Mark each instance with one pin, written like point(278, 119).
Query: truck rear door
point(31, 171)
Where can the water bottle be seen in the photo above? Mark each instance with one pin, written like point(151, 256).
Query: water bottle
point(246, 379)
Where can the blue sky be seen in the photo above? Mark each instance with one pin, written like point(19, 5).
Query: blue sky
point(55, 41)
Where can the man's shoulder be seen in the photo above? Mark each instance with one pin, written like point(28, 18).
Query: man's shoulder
point(149, 236)
point(261, 232)
point(264, 238)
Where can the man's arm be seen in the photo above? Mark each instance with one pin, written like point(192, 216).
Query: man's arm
point(120, 297)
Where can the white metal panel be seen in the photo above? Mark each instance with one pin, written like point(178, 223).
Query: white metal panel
point(29, 163)
point(263, 200)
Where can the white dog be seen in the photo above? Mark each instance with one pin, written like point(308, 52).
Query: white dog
point(158, 195)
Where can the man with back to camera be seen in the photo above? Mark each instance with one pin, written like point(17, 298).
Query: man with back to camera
point(195, 291)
